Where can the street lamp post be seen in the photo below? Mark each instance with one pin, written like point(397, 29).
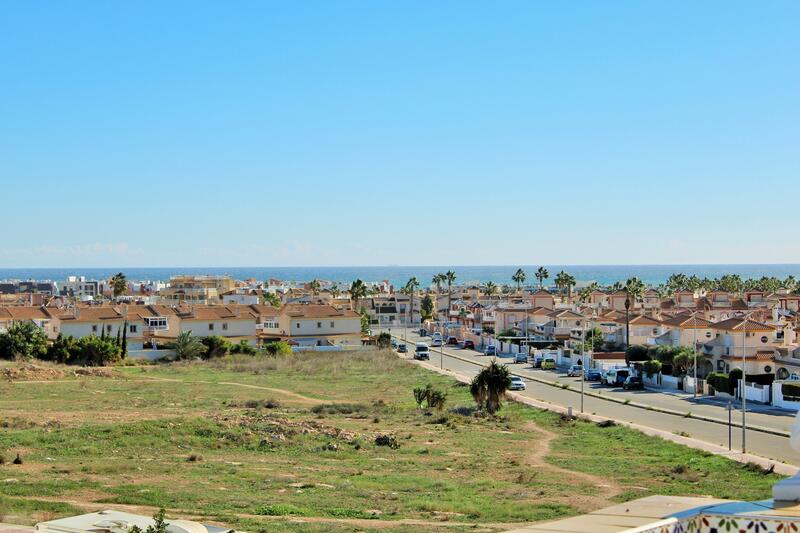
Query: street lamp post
point(744, 386)
point(583, 358)
point(694, 349)
point(627, 323)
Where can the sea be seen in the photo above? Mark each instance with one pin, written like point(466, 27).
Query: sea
point(398, 275)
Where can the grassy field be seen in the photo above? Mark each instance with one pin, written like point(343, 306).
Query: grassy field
point(290, 445)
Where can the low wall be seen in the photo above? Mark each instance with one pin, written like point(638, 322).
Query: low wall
point(151, 355)
point(778, 399)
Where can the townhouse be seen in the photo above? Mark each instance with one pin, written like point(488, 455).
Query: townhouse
point(742, 339)
point(685, 329)
point(318, 325)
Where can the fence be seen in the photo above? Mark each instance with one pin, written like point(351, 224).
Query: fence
point(779, 400)
point(151, 355)
point(755, 392)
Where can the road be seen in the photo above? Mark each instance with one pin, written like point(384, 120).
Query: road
point(767, 445)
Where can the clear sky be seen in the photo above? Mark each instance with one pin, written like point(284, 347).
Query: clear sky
point(369, 133)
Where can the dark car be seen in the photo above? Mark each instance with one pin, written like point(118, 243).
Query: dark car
point(594, 374)
point(452, 341)
point(469, 345)
point(633, 383)
point(423, 332)
point(402, 348)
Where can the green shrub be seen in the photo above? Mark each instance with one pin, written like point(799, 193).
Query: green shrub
point(216, 346)
point(23, 340)
point(651, 368)
point(278, 348)
point(721, 382)
point(384, 340)
point(790, 390)
point(243, 347)
point(637, 352)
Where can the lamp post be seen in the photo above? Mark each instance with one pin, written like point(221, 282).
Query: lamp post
point(583, 358)
point(694, 349)
point(744, 385)
point(627, 324)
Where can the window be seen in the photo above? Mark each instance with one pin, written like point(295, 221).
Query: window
point(225, 326)
point(319, 324)
point(271, 324)
point(332, 324)
point(298, 325)
point(156, 322)
point(764, 339)
point(133, 328)
point(108, 328)
point(94, 328)
point(211, 327)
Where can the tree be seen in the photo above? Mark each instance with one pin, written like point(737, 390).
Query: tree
point(450, 278)
point(489, 387)
point(124, 339)
point(62, 350)
point(23, 340)
point(519, 278)
point(541, 275)
point(384, 340)
point(94, 351)
point(358, 290)
point(426, 307)
point(119, 284)
point(315, 286)
point(188, 347)
point(730, 283)
point(635, 353)
point(634, 288)
point(216, 346)
point(278, 348)
point(437, 280)
point(594, 341)
point(410, 288)
point(491, 289)
point(159, 526)
point(364, 321)
point(335, 291)
point(243, 347)
point(272, 299)
point(565, 282)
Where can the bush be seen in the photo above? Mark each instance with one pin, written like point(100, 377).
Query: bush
point(637, 353)
point(384, 340)
point(23, 340)
point(733, 377)
point(651, 368)
point(62, 349)
point(278, 348)
point(790, 390)
point(243, 348)
point(216, 346)
point(433, 398)
point(720, 382)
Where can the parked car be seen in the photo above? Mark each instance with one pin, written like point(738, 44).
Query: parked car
point(633, 383)
point(575, 371)
point(537, 361)
point(517, 383)
point(394, 343)
point(452, 341)
point(490, 350)
point(422, 351)
point(436, 335)
point(520, 358)
point(593, 374)
point(436, 342)
point(469, 345)
point(423, 332)
point(402, 348)
point(616, 376)
point(548, 363)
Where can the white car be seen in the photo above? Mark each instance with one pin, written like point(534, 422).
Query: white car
point(575, 371)
point(517, 383)
point(436, 341)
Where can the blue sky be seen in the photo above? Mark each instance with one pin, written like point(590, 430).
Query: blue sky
point(370, 133)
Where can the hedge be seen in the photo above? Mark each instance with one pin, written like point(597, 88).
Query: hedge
point(790, 389)
point(721, 382)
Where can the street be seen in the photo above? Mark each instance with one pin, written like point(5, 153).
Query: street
point(768, 445)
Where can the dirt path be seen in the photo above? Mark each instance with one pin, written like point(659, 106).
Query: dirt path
point(367, 523)
point(607, 488)
point(298, 397)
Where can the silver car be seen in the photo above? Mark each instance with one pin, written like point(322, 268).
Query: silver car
point(517, 383)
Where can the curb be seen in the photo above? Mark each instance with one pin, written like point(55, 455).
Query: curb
point(779, 467)
point(638, 405)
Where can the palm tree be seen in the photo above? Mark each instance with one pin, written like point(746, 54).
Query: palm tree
point(565, 282)
point(449, 277)
point(272, 299)
point(358, 290)
point(411, 286)
point(541, 275)
point(519, 278)
point(119, 284)
point(336, 291)
point(188, 347)
point(437, 280)
point(490, 289)
point(571, 282)
point(634, 289)
point(489, 387)
point(314, 285)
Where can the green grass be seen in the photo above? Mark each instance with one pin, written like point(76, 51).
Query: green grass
point(224, 441)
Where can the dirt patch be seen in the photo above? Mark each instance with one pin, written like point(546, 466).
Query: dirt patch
point(277, 428)
point(28, 371)
point(606, 488)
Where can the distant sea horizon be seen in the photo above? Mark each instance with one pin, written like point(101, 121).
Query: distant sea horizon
point(398, 275)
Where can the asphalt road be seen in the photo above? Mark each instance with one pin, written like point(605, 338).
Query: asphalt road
point(771, 446)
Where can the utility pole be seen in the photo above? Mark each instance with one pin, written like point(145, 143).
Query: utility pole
point(744, 385)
